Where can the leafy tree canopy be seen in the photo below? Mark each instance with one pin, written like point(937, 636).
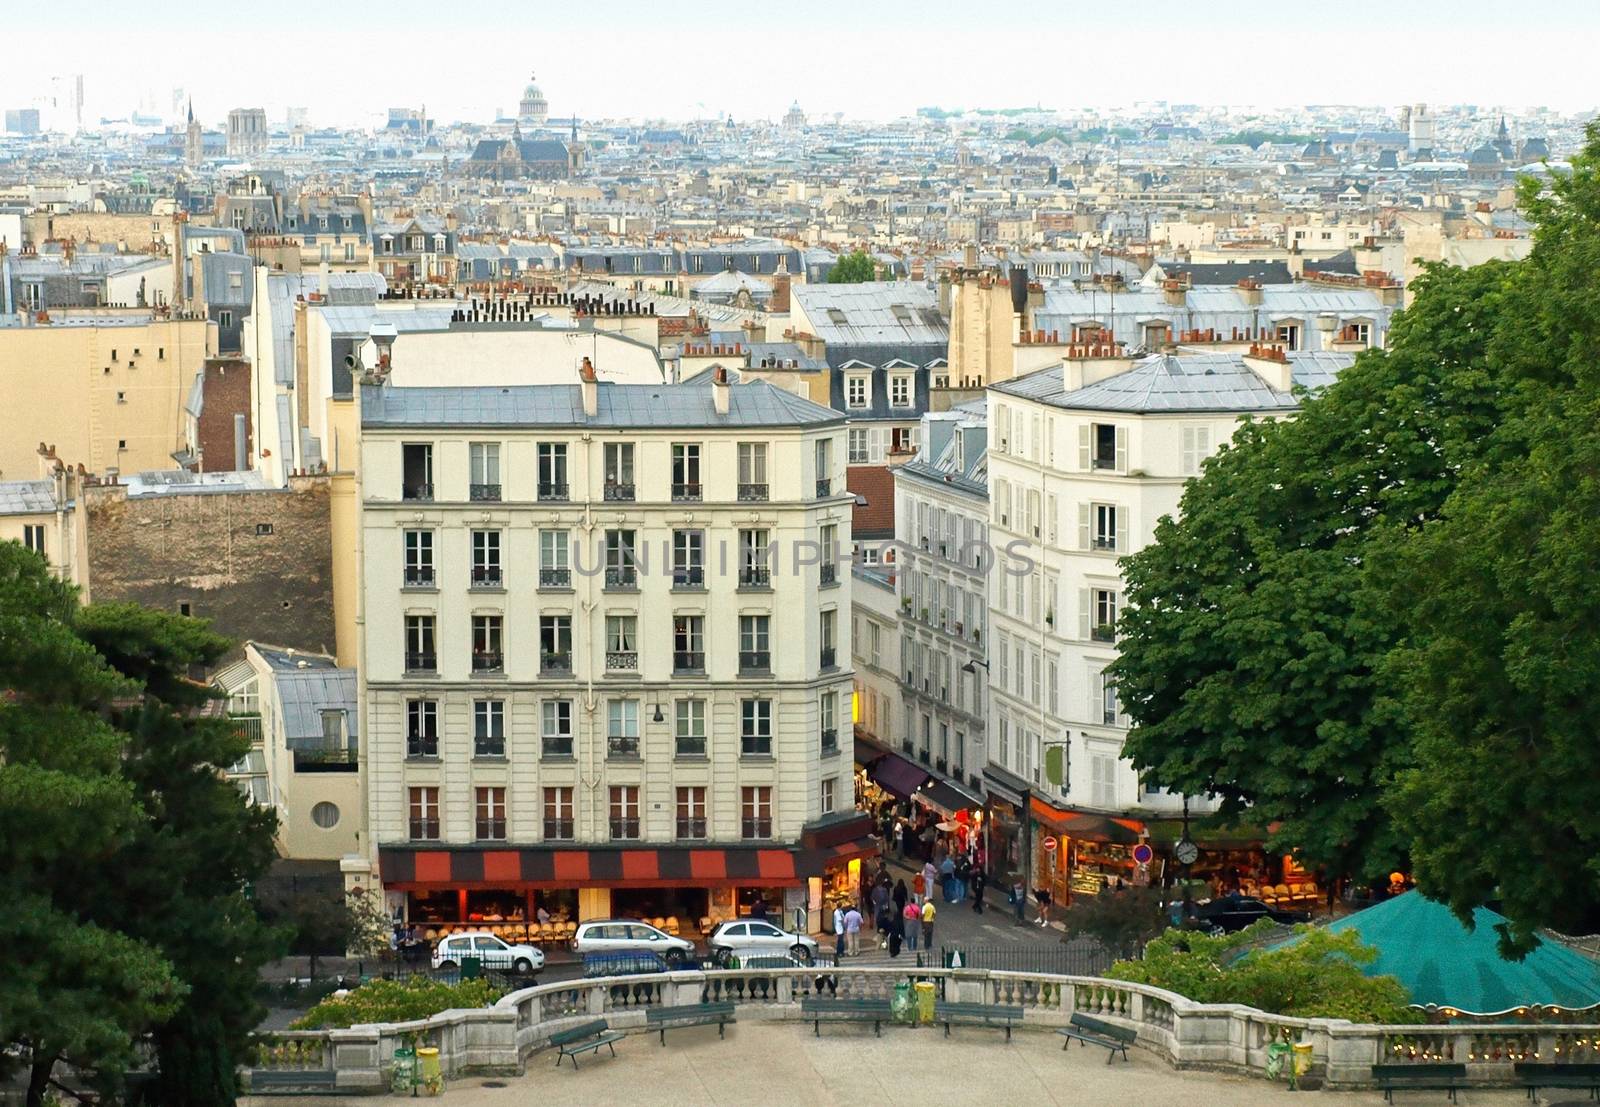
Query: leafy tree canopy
point(853, 268)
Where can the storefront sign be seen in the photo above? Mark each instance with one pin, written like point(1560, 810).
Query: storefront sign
point(1048, 843)
point(1142, 853)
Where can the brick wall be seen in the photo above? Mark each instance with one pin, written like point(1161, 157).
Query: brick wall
point(257, 563)
point(227, 393)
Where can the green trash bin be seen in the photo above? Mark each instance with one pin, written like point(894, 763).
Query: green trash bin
point(403, 1078)
point(471, 968)
point(903, 1007)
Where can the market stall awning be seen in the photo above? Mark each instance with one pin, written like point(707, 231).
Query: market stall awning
point(418, 870)
point(947, 797)
point(898, 775)
point(1088, 825)
point(866, 752)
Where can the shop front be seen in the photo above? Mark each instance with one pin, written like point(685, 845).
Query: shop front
point(1230, 859)
point(1005, 829)
point(955, 815)
point(1081, 853)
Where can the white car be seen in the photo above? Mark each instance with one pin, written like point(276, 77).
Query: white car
point(630, 936)
point(492, 952)
point(750, 937)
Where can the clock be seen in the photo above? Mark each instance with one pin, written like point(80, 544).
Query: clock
point(1186, 852)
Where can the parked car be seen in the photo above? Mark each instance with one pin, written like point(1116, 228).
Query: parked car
point(749, 937)
point(630, 936)
point(491, 952)
point(1226, 914)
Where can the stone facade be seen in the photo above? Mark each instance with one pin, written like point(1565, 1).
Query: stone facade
point(225, 393)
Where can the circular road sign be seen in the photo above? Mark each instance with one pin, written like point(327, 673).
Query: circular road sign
point(1049, 843)
point(1142, 853)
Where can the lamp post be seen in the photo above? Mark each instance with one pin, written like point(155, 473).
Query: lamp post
point(1025, 855)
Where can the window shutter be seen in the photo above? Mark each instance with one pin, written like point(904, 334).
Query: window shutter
point(1052, 520)
point(1122, 531)
point(1191, 464)
point(1122, 449)
point(1083, 447)
point(1085, 613)
point(1202, 446)
point(1083, 526)
point(1092, 686)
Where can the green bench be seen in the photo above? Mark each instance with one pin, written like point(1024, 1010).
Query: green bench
point(1089, 1030)
point(1559, 1074)
point(279, 1082)
point(585, 1038)
point(977, 1014)
point(694, 1014)
point(1442, 1077)
point(817, 1011)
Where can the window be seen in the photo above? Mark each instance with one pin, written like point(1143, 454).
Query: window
point(860, 450)
point(422, 728)
point(756, 812)
point(755, 647)
point(1102, 614)
point(325, 815)
point(752, 471)
point(485, 464)
point(755, 728)
point(486, 559)
point(622, 728)
point(1289, 335)
point(555, 643)
point(487, 647)
point(555, 547)
point(827, 628)
point(624, 812)
point(690, 731)
point(622, 648)
point(688, 643)
point(903, 440)
point(688, 559)
point(419, 558)
point(858, 391)
point(828, 539)
point(691, 813)
point(424, 812)
point(224, 318)
point(558, 814)
point(900, 391)
point(824, 457)
point(686, 471)
point(1103, 527)
point(874, 644)
point(825, 806)
point(416, 477)
point(1196, 448)
point(619, 471)
point(33, 537)
point(621, 566)
point(420, 655)
point(1106, 446)
point(556, 728)
point(1110, 711)
point(828, 716)
point(755, 559)
point(349, 251)
point(552, 471)
point(489, 728)
point(491, 812)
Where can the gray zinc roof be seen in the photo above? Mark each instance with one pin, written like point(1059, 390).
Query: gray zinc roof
point(27, 497)
point(876, 313)
point(306, 692)
point(1168, 383)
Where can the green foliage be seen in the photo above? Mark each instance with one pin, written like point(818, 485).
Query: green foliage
point(1122, 921)
point(1319, 975)
point(1254, 138)
point(853, 268)
point(416, 997)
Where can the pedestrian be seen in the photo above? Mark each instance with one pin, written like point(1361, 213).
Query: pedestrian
point(928, 915)
point(838, 930)
point(1043, 896)
point(913, 924)
point(896, 935)
point(947, 880)
point(885, 924)
point(918, 889)
point(900, 895)
point(880, 896)
point(930, 877)
point(758, 909)
point(852, 930)
point(903, 833)
point(978, 881)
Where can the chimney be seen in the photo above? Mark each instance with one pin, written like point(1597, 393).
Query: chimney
point(1095, 359)
point(969, 256)
point(1250, 292)
point(383, 336)
point(1175, 291)
point(1269, 362)
point(944, 294)
point(322, 281)
point(590, 385)
point(779, 304)
point(1327, 323)
point(719, 390)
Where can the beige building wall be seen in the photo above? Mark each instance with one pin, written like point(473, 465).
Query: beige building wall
point(106, 395)
point(982, 327)
point(130, 231)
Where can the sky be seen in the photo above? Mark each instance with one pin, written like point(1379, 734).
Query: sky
point(878, 59)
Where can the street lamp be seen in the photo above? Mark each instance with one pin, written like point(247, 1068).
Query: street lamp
point(972, 666)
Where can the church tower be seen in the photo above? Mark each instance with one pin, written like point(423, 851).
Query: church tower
point(193, 142)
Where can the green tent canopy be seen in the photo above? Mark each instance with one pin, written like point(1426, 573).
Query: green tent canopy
point(1445, 965)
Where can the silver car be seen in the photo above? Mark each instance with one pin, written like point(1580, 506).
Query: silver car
point(630, 936)
point(751, 937)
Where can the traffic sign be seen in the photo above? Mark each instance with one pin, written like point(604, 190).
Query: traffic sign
point(1142, 853)
point(1049, 843)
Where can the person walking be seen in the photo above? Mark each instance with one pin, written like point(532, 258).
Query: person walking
point(900, 895)
point(913, 925)
point(896, 935)
point(838, 930)
point(979, 879)
point(928, 915)
point(947, 879)
point(880, 896)
point(930, 878)
point(1043, 896)
point(918, 888)
point(852, 931)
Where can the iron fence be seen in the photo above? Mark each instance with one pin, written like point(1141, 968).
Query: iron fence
point(1078, 957)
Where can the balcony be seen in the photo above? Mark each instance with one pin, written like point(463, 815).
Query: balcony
point(617, 492)
point(755, 745)
point(691, 829)
point(483, 746)
point(1104, 542)
point(422, 745)
point(621, 661)
point(556, 748)
point(424, 830)
point(419, 576)
point(552, 491)
point(824, 488)
point(752, 493)
point(491, 830)
point(422, 663)
point(555, 578)
point(483, 493)
point(486, 576)
point(830, 740)
point(691, 746)
point(688, 661)
point(555, 661)
point(1105, 632)
point(558, 830)
point(622, 747)
point(624, 577)
point(752, 576)
point(829, 657)
point(624, 830)
point(488, 661)
point(418, 492)
point(686, 493)
point(755, 661)
point(755, 828)
point(690, 576)
point(340, 760)
point(828, 573)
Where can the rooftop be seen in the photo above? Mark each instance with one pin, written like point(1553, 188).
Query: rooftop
point(27, 497)
point(1169, 383)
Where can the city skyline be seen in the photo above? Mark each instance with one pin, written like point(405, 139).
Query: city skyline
point(882, 66)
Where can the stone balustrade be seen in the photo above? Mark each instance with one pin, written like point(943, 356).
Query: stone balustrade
point(1231, 1037)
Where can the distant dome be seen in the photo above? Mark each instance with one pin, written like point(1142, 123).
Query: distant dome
point(532, 92)
point(1484, 155)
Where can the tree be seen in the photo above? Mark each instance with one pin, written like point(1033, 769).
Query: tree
point(319, 922)
point(1121, 921)
point(1500, 674)
point(853, 268)
point(1253, 632)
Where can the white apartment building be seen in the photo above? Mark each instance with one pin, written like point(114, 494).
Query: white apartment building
point(875, 644)
point(1083, 461)
point(605, 652)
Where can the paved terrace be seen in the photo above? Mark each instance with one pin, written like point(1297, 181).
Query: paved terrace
point(778, 1064)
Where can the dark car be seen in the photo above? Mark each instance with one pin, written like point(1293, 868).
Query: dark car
point(1227, 914)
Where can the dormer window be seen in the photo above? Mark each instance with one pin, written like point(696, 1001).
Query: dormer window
point(858, 391)
point(900, 391)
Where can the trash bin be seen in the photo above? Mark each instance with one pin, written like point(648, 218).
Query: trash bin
point(471, 968)
point(430, 1074)
point(403, 1078)
point(1302, 1059)
point(925, 1001)
point(902, 1008)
